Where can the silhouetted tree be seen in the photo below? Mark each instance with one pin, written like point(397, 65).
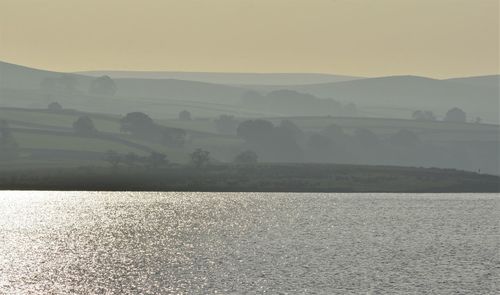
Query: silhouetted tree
point(103, 85)
point(54, 107)
point(273, 144)
point(290, 129)
point(200, 157)
point(285, 101)
point(185, 115)
point(455, 115)
point(246, 157)
point(84, 125)
point(429, 116)
point(255, 131)
point(137, 123)
point(423, 116)
point(113, 158)
point(226, 124)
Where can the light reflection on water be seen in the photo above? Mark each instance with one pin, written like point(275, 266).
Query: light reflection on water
point(199, 243)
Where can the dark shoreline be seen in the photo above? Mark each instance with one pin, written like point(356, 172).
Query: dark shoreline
point(255, 178)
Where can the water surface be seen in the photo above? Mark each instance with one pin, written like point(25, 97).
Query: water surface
point(231, 243)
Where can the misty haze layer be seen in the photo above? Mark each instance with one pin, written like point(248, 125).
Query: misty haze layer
point(52, 118)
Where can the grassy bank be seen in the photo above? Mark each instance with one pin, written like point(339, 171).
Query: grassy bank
point(256, 178)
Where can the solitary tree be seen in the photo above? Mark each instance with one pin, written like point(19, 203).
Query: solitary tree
point(256, 131)
point(423, 116)
point(200, 157)
point(185, 115)
point(246, 157)
point(455, 115)
point(136, 123)
point(290, 129)
point(84, 125)
point(54, 107)
point(103, 85)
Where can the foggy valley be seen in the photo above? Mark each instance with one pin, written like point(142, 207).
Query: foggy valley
point(389, 121)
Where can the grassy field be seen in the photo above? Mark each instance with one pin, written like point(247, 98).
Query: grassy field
point(199, 125)
point(203, 134)
point(429, 130)
point(70, 143)
point(105, 123)
point(110, 123)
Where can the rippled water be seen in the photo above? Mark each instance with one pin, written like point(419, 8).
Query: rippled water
point(207, 243)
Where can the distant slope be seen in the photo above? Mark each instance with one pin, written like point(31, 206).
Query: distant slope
point(413, 92)
point(230, 78)
point(15, 78)
point(179, 89)
point(20, 77)
point(492, 81)
point(395, 96)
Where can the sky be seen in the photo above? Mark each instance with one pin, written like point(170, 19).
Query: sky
point(434, 38)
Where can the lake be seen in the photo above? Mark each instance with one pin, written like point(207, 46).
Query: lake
point(251, 243)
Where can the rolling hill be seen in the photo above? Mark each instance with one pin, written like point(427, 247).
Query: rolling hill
point(477, 96)
point(230, 78)
point(392, 97)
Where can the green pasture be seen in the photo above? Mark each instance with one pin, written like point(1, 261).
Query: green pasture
point(54, 119)
point(70, 143)
point(429, 130)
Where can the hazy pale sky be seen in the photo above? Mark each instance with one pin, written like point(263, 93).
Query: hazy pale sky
point(438, 38)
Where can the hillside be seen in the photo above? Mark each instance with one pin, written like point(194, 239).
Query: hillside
point(14, 76)
point(47, 138)
point(255, 178)
point(400, 95)
point(492, 81)
point(229, 78)
point(179, 89)
point(24, 87)
point(392, 97)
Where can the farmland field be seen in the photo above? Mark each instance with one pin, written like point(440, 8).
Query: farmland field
point(70, 143)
